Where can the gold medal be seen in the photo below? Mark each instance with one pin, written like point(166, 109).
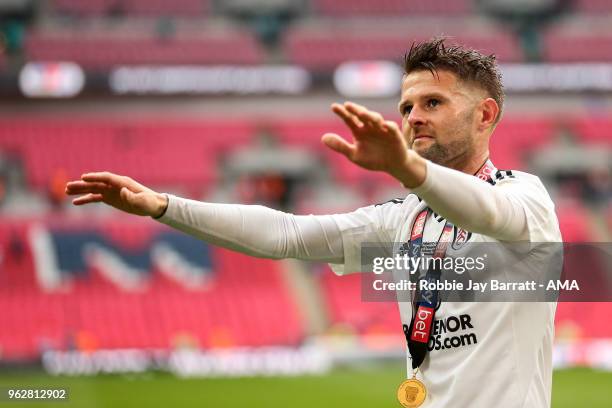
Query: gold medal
point(411, 393)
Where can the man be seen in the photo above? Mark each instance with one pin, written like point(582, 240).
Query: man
point(451, 101)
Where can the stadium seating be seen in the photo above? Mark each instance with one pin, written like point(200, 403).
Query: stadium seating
point(347, 308)
point(101, 51)
point(565, 46)
point(187, 152)
point(244, 304)
point(154, 152)
point(389, 7)
point(515, 137)
point(574, 222)
point(593, 6)
point(595, 130)
point(183, 8)
point(325, 47)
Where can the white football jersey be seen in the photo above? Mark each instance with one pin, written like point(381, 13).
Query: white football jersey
point(482, 355)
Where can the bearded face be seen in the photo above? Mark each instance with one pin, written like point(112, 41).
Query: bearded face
point(438, 116)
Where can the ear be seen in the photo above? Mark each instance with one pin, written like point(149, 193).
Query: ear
point(489, 110)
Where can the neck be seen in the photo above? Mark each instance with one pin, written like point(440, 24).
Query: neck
point(469, 165)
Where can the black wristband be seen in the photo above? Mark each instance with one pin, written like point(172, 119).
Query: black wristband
point(165, 208)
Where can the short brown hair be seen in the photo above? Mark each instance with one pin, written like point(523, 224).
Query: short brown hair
point(467, 64)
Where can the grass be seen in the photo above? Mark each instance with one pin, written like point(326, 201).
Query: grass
point(372, 386)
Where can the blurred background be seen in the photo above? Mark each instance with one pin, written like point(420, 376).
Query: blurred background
point(226, 101)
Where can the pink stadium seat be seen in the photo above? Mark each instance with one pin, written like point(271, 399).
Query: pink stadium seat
point(134, 7)
point(325, 48)
point(593, 6)
point(389, 7)
point(164, 7)
point(594, 130)
point(574, 222)
point(345, 306)
point(184, 152)
point(103, 51)
point(515, 137)
point(247, 305)
point(560, 46)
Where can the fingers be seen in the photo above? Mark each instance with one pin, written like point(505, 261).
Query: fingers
point(104, 177)
point(351, 120)
point(392, 127)
point(339, 145)
point(88, 198)
point(362, 121)
point(83, 187)
point(366, 116)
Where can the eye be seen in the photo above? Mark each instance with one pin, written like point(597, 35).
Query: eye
point(406, 110)
point(432, 103)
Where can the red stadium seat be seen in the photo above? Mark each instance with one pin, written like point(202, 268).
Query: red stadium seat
point(593, 6)
point(574, 222)
point(594, 130)
point(323, 48)
point(101, 51)
point(155, 152)
point(389, 7)
point(514, 138)
point(346, 307)
point(133, 7)
point(247, 305)
point(562, 46)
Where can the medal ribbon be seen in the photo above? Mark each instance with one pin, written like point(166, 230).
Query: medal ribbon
point(419, 331)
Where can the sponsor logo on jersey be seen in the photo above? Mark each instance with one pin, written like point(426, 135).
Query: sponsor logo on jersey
point(461, 237)
point(452, 332)
point(422, 324)
point(419, 225)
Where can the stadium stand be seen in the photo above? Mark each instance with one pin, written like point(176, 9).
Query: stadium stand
point(347, 308)
point(184, 8)
point(103, 50)
point(244, 303)
point(561, 46)
point(342, 8)
point(593, 6)
point(186, 152)
point(324, 46)
point(596, 130)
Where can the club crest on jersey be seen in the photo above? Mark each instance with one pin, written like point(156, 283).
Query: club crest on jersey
point(461, 237)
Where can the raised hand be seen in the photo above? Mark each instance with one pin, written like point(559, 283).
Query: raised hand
point(378, 144)
point(120, 192)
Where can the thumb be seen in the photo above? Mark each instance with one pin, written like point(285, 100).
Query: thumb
point(127, 195)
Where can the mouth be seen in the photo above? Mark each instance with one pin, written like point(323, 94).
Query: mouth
point(422, 137)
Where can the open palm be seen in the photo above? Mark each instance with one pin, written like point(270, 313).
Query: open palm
point(117, 191)
point(377, 144)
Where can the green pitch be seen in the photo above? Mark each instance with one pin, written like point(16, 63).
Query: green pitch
point(371, 386)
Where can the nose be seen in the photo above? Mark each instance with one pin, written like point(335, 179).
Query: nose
point(416, 117)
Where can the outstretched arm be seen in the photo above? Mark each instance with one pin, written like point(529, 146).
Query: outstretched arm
point(466, 201)
point(253, 230)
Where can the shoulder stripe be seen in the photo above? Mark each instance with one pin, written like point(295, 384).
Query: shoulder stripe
point(394, 201)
